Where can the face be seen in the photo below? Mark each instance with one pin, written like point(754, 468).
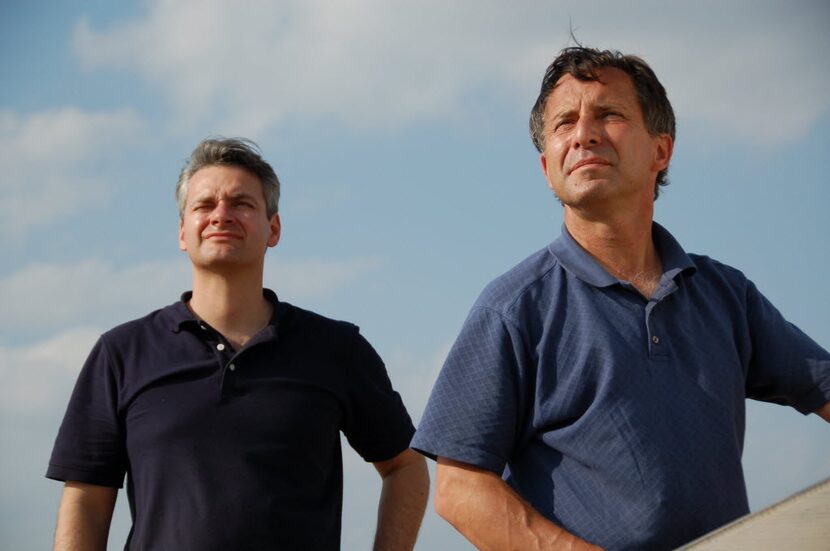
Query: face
point(598, 153)
point(224, 222)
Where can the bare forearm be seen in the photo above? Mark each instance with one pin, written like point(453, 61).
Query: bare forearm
point(492, 516)
point(403, 500)
point(84, 517)
point(824, 412)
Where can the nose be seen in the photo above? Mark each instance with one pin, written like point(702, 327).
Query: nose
point(221, 213)
point(586, 133)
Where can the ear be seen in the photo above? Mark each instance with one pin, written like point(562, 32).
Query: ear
point(662, 154)
point(276, 230)
point(182, 244)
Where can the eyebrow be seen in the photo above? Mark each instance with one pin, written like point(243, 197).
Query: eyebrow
point(242, 195)
point(235, 196)
point(599, 106)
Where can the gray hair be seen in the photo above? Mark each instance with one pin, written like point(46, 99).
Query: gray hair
point(238, 152)
point(582, 63)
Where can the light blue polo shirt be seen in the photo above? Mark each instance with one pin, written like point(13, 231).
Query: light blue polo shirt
point(619, 418)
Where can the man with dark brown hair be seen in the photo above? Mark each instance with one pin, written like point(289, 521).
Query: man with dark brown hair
point(596, 393)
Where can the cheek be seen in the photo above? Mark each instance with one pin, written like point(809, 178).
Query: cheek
point(556, 151)
point(194, 225)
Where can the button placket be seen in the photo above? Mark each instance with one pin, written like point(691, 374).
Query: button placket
point(656, 337)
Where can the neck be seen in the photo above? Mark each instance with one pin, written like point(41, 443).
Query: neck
point(233, 306)
point(622, 245)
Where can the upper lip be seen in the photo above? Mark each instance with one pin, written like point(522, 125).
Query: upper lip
point(588, 161)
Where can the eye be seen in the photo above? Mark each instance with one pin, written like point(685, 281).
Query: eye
point(563, 124)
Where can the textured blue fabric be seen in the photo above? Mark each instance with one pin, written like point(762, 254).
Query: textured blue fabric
point(229, 449)
point(619, 418)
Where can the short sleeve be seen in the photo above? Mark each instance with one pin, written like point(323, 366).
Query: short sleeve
point(376, 422)
point(90, 446)
point(786, 367)
point(474, 411)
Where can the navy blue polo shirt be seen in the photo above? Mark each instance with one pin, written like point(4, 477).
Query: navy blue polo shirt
point(228, 449)
point(617, 417)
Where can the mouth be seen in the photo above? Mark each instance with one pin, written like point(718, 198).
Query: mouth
point(221, 236)
point(591, 161)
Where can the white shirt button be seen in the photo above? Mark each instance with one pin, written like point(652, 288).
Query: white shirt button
point(220, 347)
point(655, 339)
point(232, 367)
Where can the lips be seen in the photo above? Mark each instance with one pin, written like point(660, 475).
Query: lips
point(221, 235)
point(590, 161)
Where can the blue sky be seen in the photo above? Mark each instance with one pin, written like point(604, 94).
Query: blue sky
point(399, 131)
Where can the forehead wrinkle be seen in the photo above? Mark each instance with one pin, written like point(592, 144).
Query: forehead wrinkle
point(219, 193)
point(605, 95)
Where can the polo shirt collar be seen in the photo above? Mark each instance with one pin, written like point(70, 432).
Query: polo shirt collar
point(179, 315)
point(577, 261)
point(674, 258)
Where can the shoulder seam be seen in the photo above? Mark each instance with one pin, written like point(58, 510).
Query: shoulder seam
point(518, 295)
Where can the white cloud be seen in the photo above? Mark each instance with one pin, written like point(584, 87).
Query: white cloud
point(52, 164)
point(258, 63)
point(45, 296)
point(751, 69)
point(413, 377)
point(314, 278)
point(38, 378)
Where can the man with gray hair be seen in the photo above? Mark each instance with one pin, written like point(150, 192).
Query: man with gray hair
point(225, 409)
point(596, 393)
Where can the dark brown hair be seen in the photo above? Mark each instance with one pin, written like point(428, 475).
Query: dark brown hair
point(582, 63)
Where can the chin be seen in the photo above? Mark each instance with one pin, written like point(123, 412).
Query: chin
point(587, 191)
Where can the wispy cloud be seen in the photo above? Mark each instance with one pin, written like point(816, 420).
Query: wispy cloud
point(381, 64)
point(366, 64)
point(37, 378)
point(315, 278)
point(44, 297)
point(52, 164)
point(413, 376)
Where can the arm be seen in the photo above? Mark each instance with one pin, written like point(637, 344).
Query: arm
point(402, 500)
point(824, 412)
point(84, 517)
point(481, 506)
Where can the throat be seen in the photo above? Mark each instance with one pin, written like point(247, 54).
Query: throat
point(646, 282)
